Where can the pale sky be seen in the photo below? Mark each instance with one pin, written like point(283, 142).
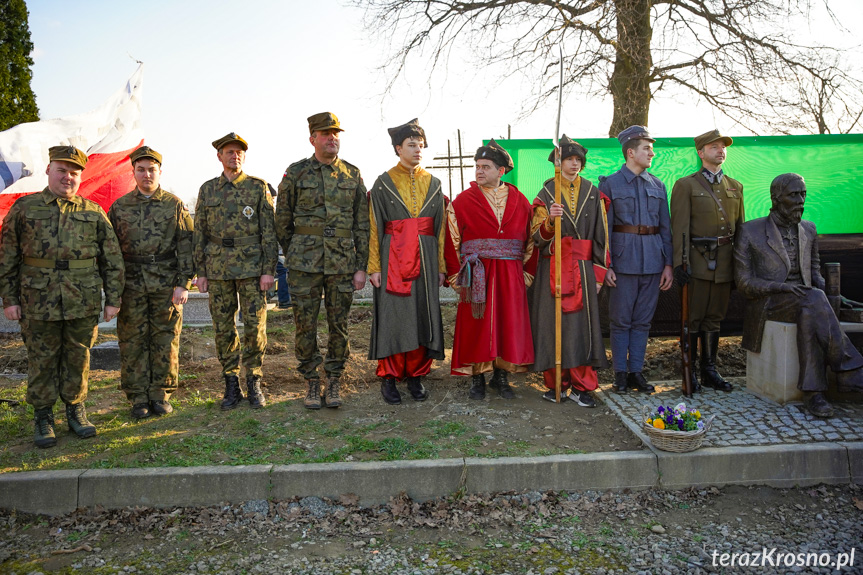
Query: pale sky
point(261, 67)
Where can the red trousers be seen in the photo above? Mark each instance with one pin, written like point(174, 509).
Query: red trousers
point(409, 364)
point(581, 378)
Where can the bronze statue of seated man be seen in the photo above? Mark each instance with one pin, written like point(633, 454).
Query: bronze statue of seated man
point(777, 268)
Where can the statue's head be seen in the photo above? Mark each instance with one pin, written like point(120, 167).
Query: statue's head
point(787, 194)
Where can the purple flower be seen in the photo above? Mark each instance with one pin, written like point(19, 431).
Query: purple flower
point(660, 409)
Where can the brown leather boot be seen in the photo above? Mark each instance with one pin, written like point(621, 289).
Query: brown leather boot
point(333, 399)
point(313, 395)
point(256, 396)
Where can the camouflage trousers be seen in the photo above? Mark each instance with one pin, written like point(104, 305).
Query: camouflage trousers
point(338, 293)
point(223, 309)
point(148, 327)
point(58, 353)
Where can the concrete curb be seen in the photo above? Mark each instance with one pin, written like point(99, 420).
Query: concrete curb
point(59, 492)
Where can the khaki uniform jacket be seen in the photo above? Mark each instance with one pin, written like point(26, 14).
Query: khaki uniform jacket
point(695, 213)
point(156, 226)
point(328, 197)
point(45, 227)
point(234, 235)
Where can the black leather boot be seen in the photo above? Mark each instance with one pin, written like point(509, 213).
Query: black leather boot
point(256, 396)
point(693, 358)
point(709, 376)
point(233, 393)
point(76, 418)
point(390, 392)
point(43, 420)
point(417, 389)
point(477, 387)
point(620, 382)
point(500, 382)
point(636, 381)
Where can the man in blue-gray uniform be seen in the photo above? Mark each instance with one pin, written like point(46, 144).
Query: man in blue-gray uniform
point(641, 255)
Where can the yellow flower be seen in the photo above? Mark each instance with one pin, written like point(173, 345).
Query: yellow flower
point(697, 414)
point(649, 421)
point(659, 424)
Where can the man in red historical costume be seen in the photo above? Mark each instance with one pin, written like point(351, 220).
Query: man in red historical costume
point(405, 267)
point(585, 259)
point(489, 261)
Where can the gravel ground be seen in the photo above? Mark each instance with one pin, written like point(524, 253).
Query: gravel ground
point(646, 532)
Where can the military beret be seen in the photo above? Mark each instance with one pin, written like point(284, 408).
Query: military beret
point(496, 154)
point(324, 121)
point(634, 133)
point(227, 139)
point(69, 154)
point(711, 136)
point(145, 152)
point(568, 148)
point(400, 133)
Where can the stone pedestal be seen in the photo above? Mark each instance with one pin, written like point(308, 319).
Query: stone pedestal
point(773, 373)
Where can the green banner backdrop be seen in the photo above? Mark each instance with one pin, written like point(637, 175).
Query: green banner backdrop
point(829, 164)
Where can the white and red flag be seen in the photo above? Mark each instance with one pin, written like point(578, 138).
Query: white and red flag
point(107, 135)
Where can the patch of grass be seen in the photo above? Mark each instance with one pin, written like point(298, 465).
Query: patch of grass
point(440, 429)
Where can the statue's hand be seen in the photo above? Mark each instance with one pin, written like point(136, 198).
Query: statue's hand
point(851, 304)
point(797, 290)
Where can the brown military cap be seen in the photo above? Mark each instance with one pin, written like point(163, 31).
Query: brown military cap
point(324, 121)
point(145, 152)
point(232, 137)
point(69, 154)
point(568, 148)
point(400, 133)
point(496, 154)
point(711, 136)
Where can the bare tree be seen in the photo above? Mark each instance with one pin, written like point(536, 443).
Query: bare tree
point(732, 54)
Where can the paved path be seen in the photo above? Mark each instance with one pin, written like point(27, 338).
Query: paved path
point(742, 419)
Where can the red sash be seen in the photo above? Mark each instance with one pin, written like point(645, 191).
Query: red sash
point(403, 265)
point(572, 250)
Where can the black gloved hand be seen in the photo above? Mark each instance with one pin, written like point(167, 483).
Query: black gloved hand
point(681, 276)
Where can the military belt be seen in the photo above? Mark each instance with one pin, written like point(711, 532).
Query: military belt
point(639, 230)
point(60, 264)
point(231, 242)
point(150, 259)
point(713, 243)
point(325, 232)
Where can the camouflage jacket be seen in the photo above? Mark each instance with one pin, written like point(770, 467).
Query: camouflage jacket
point(158, 226)
point(44, 228)
point(234, 229)
point(331, 200)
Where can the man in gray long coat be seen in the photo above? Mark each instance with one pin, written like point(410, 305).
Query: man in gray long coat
point(585, 260)
point(406, 212)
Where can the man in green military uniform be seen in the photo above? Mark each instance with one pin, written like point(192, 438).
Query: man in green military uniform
point(706, 207)
point(58, 252)
point(235, 255)
point(323, 227)
point(155, 233)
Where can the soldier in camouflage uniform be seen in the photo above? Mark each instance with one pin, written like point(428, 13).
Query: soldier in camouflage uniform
point(235, 255)
point(323, 227)
point(155, 233)
point(58, 252)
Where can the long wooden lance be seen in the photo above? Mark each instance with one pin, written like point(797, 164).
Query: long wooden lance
point(558, 312)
